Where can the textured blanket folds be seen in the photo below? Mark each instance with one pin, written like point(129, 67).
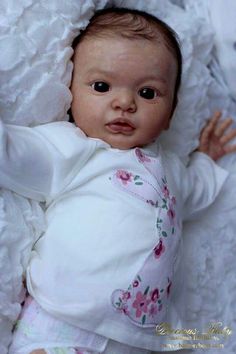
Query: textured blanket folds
point(35, 74)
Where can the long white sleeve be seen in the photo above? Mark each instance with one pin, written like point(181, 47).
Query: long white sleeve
point(38, 162)
point(198, 184)
point(206, 179)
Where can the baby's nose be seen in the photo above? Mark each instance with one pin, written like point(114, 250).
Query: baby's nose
point(125, 101)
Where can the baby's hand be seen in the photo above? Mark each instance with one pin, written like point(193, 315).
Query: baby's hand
point(213, 138)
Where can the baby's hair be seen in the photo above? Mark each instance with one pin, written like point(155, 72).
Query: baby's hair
point(133, 24)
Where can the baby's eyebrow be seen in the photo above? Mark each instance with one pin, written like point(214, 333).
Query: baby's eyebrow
point(155, 78)
point(110, 73)
point(101, 71)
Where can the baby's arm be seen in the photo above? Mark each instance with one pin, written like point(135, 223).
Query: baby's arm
point(39, 162)
point(213, 138)
point(25, 166)
point(203, 179)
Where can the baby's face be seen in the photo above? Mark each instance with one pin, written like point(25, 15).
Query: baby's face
point(123, 90)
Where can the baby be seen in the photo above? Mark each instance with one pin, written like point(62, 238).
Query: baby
point(103, 275)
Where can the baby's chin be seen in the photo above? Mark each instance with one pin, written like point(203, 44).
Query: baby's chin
point(125, 143)
point(121, 141)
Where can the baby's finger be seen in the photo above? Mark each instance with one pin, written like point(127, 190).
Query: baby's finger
point(223, 126)
point(210, 126)
point(216, 116)
point(227, 137)
point(230, 148)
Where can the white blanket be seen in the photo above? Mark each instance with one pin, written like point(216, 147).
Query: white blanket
point(35, 73)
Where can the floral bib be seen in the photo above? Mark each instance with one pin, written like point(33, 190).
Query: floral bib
point(146, 298)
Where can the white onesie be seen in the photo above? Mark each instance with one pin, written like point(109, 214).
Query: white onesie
point(108, 260)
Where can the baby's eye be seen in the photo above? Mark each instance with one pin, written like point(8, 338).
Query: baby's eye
point(100, 86)
point(148, 93)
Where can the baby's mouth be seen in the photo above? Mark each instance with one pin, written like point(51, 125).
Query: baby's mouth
point(120, 125)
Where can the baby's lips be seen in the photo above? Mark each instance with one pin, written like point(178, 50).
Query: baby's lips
point(120, 125)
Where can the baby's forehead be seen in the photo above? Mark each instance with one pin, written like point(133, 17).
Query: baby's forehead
point(108, 48)
point(104, 39)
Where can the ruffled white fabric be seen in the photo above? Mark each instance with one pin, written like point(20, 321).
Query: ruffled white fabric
point(35, 73)
point(21, 223)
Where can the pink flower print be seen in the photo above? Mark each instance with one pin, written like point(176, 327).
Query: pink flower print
point(126, 295)
point(171, 214)
point(141, 156)
point(159, 249)
point(124, 176)
point(125, 309)
point(173, 200)
point(166, 191)
point(141, 304)
point(154, 295)
point(168, 288)
point(153, 310)
point(135, 283)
